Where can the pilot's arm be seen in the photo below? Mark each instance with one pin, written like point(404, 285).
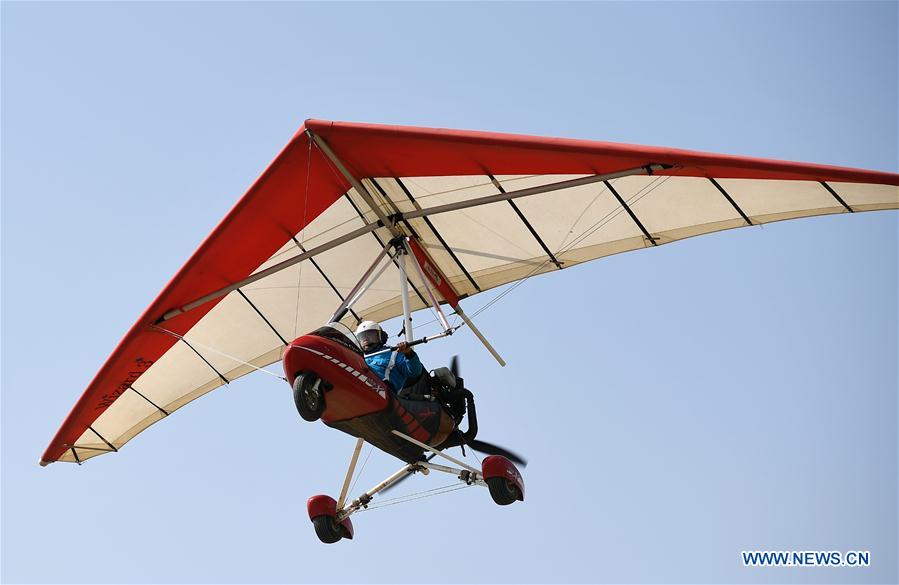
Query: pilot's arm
point(411, 364)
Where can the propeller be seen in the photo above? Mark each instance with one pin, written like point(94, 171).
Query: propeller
point(484, 446)
point(491, 449)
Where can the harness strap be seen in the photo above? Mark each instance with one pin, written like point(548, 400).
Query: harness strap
point(390, 365)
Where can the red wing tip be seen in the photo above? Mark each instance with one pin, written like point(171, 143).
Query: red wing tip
point(45, 463)
point(316, 123)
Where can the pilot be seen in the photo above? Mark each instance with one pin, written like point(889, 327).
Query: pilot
point(394, 367)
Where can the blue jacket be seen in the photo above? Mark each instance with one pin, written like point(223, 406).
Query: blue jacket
point(394, 367)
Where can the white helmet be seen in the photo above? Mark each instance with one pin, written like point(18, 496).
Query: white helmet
point(370, 335)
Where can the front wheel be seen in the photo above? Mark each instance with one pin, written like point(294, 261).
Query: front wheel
point(327, 529)
point(309, 396)
point(503, 491)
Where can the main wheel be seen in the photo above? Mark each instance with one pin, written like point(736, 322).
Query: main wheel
point(327, 529)
point(503, 491)
point(309, 396)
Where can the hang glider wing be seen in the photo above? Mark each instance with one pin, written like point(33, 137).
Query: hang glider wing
point(489, 209)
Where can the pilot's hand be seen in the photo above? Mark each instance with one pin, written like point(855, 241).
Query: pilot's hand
point(404, 348)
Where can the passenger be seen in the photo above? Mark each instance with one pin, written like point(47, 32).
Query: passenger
point(394, 367)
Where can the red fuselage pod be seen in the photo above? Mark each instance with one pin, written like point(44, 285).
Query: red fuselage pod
point(352, 389)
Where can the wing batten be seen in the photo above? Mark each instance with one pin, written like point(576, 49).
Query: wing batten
point(731, 201)
point(836, 196)
point(153, 404)
point(263, 317)
point(200, 355)
point(527, 223)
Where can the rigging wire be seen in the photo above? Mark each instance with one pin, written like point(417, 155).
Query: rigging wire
point(417, 496)
point(383, 503)
point(405, 496)
point(221, 353)
point(583, 212)
point(361, 469)
point(602, 222)
point(635, 198)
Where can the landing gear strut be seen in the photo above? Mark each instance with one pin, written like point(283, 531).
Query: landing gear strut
point(331, 519)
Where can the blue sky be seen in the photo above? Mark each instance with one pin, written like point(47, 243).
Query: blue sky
point(678, 405)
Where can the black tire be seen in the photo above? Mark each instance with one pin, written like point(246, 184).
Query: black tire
point(327, 529)
point(503, 491)
point(309, 396)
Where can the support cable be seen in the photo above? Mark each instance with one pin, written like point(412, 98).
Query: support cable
point(584, 235)
point(405, 496)
point(417, 496)
point(224, 379)
point(325, 276)
point(646, 233)
point(361, 469)
point(221, 353)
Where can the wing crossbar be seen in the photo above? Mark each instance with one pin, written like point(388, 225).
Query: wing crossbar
point(423, 212)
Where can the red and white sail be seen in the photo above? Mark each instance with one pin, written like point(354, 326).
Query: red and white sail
point(490, 209)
